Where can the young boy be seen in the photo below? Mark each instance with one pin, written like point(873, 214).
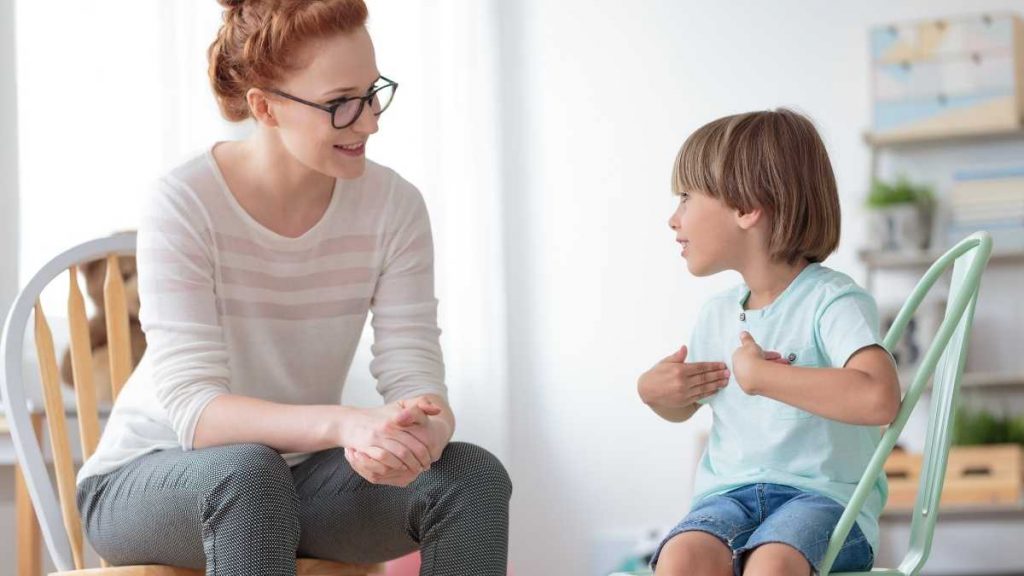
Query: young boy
point(790, 361)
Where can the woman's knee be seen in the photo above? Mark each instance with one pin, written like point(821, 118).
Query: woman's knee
point(253, 473)
point(470, 466)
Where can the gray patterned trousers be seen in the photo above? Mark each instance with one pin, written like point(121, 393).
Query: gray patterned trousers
point(240, 510)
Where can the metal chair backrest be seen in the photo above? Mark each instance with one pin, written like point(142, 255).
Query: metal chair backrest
point(56, 509)
point(945, 361)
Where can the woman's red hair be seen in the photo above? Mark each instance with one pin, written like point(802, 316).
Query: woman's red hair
point(259, 41)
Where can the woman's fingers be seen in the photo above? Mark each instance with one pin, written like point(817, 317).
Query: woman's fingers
point(365, 465)
point(410, 416)
point(406, 454)
point(420, 403)
point(416, 439)
point(428, 406)
point(386, 459)
point(375, 472)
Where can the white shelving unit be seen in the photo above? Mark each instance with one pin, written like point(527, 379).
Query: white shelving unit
point(986, 533)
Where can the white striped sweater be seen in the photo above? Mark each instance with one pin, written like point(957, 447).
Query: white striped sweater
point(230, 306)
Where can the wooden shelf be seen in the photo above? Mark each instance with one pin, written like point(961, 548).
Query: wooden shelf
point(975, 381)
point(992, 380)
point(963, 512)
point(883, 141)
point(923, 259)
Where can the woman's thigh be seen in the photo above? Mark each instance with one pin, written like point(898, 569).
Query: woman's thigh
point(166, 507)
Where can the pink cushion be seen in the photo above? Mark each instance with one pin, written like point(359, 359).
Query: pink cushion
point(409, 566)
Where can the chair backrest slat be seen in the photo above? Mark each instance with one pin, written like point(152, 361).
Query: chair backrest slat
point(945, 361)
point(56, 421)
point(82, 368)
point(53, 495)
point(118, 340)
point(944, 398)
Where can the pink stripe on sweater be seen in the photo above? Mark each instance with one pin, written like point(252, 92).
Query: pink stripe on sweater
point(316, 280)
point(312, 311)
point(339, 245)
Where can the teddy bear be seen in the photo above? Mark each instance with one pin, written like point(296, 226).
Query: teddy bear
point(95, 273)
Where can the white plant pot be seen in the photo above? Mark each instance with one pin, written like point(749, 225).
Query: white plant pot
point(899, 228)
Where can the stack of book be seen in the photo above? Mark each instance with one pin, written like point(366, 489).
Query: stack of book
point(990, 200)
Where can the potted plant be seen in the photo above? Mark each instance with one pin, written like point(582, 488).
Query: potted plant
point(900, 215)
point(979, 426)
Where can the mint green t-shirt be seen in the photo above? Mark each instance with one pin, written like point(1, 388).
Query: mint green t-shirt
point(821, 319)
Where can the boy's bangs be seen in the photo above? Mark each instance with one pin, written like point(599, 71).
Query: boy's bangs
point(695, 165)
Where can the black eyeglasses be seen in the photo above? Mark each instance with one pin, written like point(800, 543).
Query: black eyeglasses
point(345, 111)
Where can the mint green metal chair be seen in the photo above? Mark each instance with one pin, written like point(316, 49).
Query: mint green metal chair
point(945, 361)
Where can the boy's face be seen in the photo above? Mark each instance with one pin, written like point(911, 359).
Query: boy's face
point(708, 232)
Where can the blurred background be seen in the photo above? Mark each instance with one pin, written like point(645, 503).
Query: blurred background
point(542, 136)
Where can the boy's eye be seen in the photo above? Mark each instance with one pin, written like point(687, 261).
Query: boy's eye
point(684, 197)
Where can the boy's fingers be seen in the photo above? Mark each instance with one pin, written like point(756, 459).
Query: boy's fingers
point(772, 355)
point(697, 368)
point(709, 389)
point(720, 375)
point(677, 357)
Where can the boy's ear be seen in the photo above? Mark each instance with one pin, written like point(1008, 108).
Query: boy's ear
point(749, 219)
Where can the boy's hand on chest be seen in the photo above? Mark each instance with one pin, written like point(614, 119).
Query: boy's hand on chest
point(747, 358)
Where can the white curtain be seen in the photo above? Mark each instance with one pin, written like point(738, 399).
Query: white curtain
point(114, 93)
point(8, 163)
point(442, 134)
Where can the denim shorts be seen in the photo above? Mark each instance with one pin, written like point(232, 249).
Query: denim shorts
point(757, 514)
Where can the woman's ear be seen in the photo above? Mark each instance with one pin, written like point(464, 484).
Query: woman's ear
point(749, 219)
point(260, 107)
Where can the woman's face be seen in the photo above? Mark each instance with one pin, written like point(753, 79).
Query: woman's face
point(340, 66)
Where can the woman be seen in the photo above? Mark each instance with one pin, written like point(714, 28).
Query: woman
point(258, 263)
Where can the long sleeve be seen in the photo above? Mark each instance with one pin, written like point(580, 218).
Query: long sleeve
point(229, 306)
point(185, 341)
point(407, 354)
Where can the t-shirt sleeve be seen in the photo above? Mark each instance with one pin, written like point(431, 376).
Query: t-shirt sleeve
point(846, 324)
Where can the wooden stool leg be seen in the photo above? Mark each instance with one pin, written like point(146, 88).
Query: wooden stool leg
point(27, 526)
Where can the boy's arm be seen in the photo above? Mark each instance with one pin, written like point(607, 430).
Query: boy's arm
point(865, 391)
point(681, 414)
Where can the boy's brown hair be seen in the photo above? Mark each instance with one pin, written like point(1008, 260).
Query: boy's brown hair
point(773, 160)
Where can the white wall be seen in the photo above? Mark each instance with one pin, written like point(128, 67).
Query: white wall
point(601, 94)
point(8, 161)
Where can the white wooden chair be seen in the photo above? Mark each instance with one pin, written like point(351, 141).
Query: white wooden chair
point(56, 510)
